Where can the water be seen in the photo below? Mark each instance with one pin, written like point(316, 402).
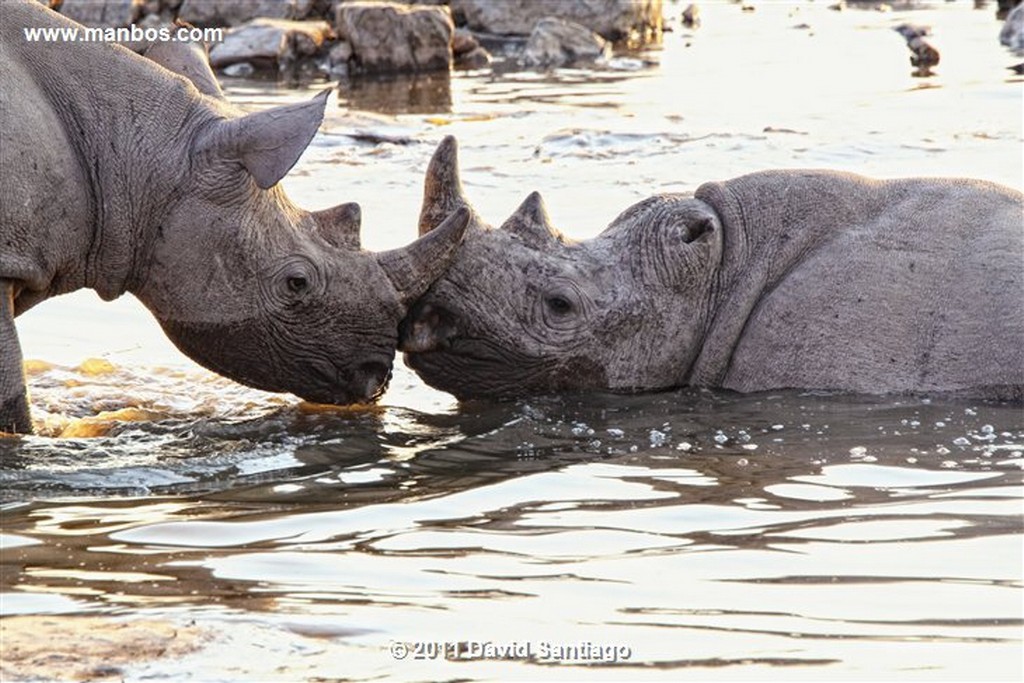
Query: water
point(683, 534)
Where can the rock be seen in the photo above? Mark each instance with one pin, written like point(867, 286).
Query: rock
point(909, 31)
point(691, 16)
point(612, 19)
point(1012, 33)
point(239, 70)
point(390, 37)
point(923, 56)
point(235, 12)
point(463, 41)
point(337, 59)
point(270, 41)
point(477, 58)
point(102, 13)
point(555, 42)
point(1005, 7)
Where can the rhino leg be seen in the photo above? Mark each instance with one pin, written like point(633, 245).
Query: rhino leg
point(14, 415)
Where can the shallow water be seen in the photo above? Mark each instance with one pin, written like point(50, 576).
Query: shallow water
point(697, 534)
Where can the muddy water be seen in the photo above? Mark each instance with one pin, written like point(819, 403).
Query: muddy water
point(698, 534)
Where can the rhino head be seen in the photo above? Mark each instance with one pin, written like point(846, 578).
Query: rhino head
point(265, 293)
point(525, 310)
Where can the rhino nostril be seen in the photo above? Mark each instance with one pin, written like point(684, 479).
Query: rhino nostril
point(373, 376)
point(426, 328)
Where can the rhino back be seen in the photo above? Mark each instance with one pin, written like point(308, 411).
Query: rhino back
point(46, 205)
point(93, 146)
point(913, 285)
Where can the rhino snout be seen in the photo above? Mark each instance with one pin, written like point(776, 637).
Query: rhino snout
point(427, 327)
point(363, 383)
point(373, 376)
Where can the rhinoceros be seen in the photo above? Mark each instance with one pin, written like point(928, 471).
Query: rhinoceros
point(120, 176)
point(803, 279)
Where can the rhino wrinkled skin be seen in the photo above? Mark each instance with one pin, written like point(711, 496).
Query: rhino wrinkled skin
point(120, 176)
point(776, 279)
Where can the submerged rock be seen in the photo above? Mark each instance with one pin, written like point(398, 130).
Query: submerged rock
point(557, 42)
point(270, 41)
point(390, 37)
point(611, 19)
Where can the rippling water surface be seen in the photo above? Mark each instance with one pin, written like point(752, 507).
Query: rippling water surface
point(697, 534)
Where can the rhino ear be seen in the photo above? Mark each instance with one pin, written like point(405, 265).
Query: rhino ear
point(531, 224)
point(340, 225)
point(442, 188)
point(268, 143)
point(678, 241)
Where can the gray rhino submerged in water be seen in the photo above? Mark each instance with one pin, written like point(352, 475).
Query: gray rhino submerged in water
point(777, 279)
point(119, 176)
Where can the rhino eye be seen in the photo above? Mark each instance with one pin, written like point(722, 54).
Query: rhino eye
point(297, 284)
point(558, 304)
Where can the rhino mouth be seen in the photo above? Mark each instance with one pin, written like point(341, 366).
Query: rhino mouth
point(235, 352)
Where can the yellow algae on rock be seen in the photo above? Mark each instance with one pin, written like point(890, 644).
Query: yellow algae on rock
point(101, 423)
point(36, 367)
point(96, 366)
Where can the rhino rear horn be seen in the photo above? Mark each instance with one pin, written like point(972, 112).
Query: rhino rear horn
point(340, 225)
point(531, 223)
point(267, 143)
point(412, 269)
point(189, 60)
point(442, 189)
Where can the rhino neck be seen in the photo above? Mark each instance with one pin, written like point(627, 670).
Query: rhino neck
point(771, 222)
point(128, 124)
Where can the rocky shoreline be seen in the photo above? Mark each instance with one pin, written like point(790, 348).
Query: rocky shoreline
point(336, 39)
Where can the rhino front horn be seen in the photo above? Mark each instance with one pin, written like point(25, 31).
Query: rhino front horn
point(442, 189)
point(414, 268)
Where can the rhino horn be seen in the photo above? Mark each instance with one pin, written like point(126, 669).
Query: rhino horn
point(340, 224)
point(267, 143)
point(412, 269)
point(442, 189)
point(189, 60)
point(531, 223)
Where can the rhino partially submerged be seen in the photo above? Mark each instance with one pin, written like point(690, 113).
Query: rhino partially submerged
point(120, 176)
point(778, 279)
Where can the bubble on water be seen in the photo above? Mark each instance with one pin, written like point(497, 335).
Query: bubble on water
point(970, 411)
point(858, 451)
point(742, 462)
point(615, 432)
point(581, 429)
point(776, 428)
point(749, 446)
point(684, 446)
point(942, 450)
point(657, 438)
point(720, 437)
point(961, 441)
point(912, 460)
point(940, 424)
point(633, 449)
point(949, 464)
